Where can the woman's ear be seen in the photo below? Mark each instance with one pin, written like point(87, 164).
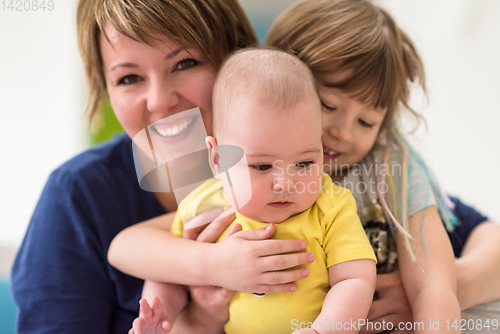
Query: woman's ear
point(213, 156)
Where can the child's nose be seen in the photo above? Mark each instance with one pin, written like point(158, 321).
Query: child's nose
point(341, 132)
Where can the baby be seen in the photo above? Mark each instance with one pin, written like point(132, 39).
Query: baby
point(265, 102)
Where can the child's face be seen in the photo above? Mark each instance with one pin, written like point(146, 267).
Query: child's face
point(284, 155)
point(350, 129)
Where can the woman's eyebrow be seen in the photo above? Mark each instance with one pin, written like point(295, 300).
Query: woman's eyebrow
point(127, 65)
point(173, 53)
point(134, 65)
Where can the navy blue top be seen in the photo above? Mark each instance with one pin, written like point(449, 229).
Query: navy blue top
point(61, 279)
point(469, 218)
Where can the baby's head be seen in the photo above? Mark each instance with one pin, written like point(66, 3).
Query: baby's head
point(265, 101)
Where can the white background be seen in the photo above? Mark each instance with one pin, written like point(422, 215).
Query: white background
point(42, 98)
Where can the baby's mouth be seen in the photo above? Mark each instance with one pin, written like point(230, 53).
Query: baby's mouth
point(175, 129)
point(280, 205)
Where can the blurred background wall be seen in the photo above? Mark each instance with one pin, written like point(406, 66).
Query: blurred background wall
point(42, 98)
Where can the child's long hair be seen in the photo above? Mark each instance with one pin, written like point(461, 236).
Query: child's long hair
point(355, 36)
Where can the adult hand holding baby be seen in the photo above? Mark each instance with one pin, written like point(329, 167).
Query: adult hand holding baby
point(248, 266)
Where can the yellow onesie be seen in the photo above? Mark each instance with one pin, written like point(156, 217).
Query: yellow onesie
point(333, 233)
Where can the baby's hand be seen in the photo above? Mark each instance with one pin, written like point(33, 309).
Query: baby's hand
point(151, 320)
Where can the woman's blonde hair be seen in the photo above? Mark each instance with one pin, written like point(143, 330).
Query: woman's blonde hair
point(215, 27)
point(353, 36)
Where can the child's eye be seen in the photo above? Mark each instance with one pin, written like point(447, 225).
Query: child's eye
point(186, 64)
point(305, 164)
point(128, 79)
point(327, 108)
point(366, 125)
point(261, 168)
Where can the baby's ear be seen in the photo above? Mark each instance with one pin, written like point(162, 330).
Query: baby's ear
point(213, 156)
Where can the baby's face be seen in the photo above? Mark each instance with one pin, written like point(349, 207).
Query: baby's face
point(285, 157)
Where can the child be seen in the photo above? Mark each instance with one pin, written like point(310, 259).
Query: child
point(265, 101)
point(363, 64)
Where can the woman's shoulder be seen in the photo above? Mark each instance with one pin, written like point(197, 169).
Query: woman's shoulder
point(98, 167)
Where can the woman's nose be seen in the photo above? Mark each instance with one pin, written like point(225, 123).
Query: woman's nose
point(161, 97)
point(284, 183)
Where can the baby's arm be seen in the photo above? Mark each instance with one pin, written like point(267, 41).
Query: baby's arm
point(245, 262)
point(349, 299)
point(430, 282)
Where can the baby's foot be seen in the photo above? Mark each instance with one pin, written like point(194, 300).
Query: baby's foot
point(151, 320)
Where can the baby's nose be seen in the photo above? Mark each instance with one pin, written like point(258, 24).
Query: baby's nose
point(283, 183)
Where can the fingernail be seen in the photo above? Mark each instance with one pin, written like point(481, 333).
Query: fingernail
point(293, 288)
point(303, 245)
point(268, 227)
point(305, 272)
point(310, 257)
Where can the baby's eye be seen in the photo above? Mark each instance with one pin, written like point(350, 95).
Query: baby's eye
point(261, 168)
point(365, 124)
point(128, 79)
point(305, 164)
point(186, 64)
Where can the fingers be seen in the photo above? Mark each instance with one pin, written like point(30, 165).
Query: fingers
point(193, 233)
point(213, 231)
point(388, 281)
point(203, 218)
point(391, 297)
point(259, 234)
point(273, 247)
point(285, 261)
point(390, 323)
point(282, 277)
point(235, 228)
point(226, 294)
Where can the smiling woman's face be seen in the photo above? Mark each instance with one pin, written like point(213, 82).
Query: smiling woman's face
point(146, 84)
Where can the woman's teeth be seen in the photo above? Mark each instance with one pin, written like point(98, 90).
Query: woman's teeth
point(329, 152)
point(173, 131)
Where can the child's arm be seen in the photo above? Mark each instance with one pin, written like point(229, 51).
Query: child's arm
point(245, 262)
point(429, 282)
point(349, 299)
point(477, 268)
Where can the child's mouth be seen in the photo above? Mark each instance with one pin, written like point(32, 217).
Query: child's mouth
point(330, 154)
point(280, 205)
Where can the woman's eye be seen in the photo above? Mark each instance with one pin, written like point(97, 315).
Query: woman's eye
point(305, 164)
point(261, 168)
point(365, 124)
point(186, 64)
point(128, 80)
point(327, 108)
